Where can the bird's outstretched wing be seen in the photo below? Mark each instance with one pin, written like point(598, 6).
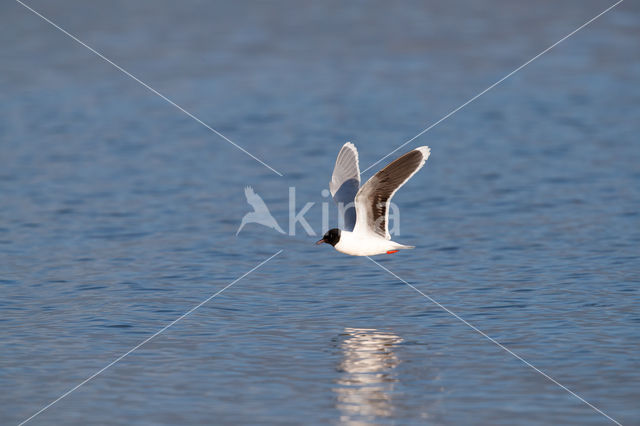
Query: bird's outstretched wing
point(372, 200)
point(345, 182)
point(255, 201)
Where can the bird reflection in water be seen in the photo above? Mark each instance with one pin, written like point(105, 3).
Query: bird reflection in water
point(368, 378)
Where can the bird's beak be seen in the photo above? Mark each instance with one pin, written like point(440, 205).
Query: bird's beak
point(319, 241)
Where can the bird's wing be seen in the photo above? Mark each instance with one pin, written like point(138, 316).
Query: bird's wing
point(255, 200)
point(345, 181)
point(372, 200)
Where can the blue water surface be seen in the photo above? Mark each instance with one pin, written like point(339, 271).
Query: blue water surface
point(118, 213)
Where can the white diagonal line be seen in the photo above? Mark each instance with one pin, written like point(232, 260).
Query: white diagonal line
point(148, 338)
point(496, 83)
point(492, 340)
point(149, 87)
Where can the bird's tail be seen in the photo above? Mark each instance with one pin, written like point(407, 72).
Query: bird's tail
point(403, 247)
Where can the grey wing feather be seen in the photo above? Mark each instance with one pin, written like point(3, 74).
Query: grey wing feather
point(372, 200)
point(345, 182)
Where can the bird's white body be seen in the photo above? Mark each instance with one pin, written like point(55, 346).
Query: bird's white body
point(366, 244)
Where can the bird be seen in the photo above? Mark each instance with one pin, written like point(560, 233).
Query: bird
point(366, 227)
point(260, 213)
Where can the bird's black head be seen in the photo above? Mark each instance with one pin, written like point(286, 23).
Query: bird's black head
point(331, 237)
